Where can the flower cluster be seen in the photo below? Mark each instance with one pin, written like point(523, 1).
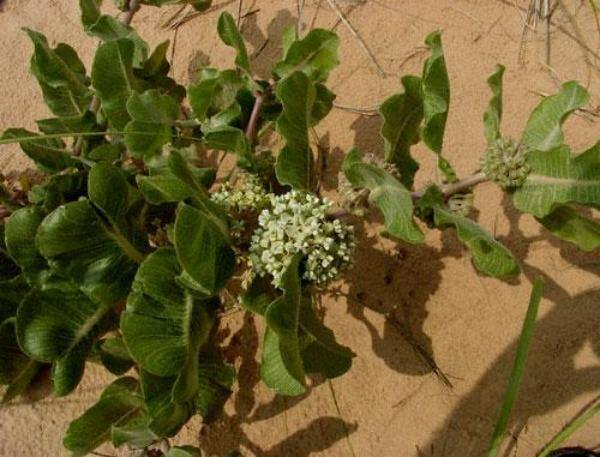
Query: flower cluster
point(505, 163)
point(296, 223)
point(247, 195)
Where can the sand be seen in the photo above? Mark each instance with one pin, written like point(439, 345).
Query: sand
point(390, 404)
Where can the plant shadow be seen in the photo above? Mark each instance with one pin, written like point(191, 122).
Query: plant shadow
point(227, 434)
point(552, 377)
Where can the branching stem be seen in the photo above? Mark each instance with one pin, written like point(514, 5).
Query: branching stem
point(252, 127)
point(450, 189)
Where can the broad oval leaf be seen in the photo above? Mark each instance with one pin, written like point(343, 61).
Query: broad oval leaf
point(59, 326)
point(544, 127)
point(281, 368)
point(232, 139)
point(120, 403)
point(49, 155)
point(390, 196)
point(294, 165)
point(315, 55)
point(402, 115)
point(164, 325)
point(202, 248)
point(231, 37)
point(558, 177)
point(153, 116)
point(114, 81)
point(568, 224)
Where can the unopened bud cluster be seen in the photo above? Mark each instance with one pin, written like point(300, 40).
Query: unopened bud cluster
point(505, 163)
point(294, 223)
point(247, 195)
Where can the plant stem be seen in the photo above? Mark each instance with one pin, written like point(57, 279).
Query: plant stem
point(251, 128)
point(134, 6)
point(450, 189)
point(571, 428)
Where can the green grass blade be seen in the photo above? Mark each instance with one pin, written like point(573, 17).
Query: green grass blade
point(517, 369)
point(25, 139)
point(571, 428)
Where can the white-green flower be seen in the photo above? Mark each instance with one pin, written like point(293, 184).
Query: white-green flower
point(295, 223)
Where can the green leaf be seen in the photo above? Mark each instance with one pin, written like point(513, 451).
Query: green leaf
point(557, 177)
point(202, 248)
point(49, 155)
point(136, 432)
point(294, 165)
point(58, 190)
point(90, 11)
point(17, 371)
point(214, 97)
point(164, 325)
point(402, 115)
point(153, 116)
point(108, 29)
point(61, 76)
point(59, 326)
point(20, 231)
point(390, 196)
point(518, 368)
point(12, 293)
point(157, 63)
point(184, 451)
point(91, 241)
point(323, 103)
point(114, 81)
point(322, 353)
point(282, 369)
point(544, 128)
point(232, 139)
point(114, 355)
point(435, 88)
point(215, 381)
point(493, 114)
point(119, 403)
point(231, 37)
point(488, 255)
point(567, 224)
point(162, 186)
point(315, 55)
point(69, 124)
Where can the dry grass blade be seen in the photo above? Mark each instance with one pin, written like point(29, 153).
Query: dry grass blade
point(356, 35)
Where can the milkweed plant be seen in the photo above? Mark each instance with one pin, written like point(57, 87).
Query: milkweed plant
point(121, 248)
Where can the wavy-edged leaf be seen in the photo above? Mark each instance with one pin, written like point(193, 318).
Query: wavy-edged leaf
point(20, 230)
point(543, 131)
point(202, 248)
point(61, 76)
point(390, 196)
point(281, 368)
point(164, 325)
point(215, 382)
point(402, 115)
point(48, 154)
point(493, 113)
point(113, 355)
point(90, 241)
point(558, 177)
point(294, 165)
point(58, 326)
point(120, 403)
point(488, 255)
point(162, 186)
point(153, 116)
point(315, 55)
point(17, 371)
point(12, 293)
point(435, 88)
point(114, 81)
point(232, 139)
point(568, 224)
point(231, 37)
point(214, 96)
point(58, 190)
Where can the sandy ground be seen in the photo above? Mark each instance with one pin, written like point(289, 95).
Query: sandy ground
point(390, 404)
